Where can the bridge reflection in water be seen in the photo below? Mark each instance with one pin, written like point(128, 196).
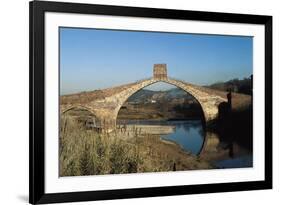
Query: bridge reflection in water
point(191, 137)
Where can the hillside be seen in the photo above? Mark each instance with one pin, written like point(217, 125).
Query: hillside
point(144, 96)
point(243, 86)
point(162, 105)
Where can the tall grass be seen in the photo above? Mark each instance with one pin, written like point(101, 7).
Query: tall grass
point(85, 152)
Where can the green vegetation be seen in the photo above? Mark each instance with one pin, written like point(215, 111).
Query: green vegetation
point(240, 86)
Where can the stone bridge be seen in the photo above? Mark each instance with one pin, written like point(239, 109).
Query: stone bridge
point(105, 104)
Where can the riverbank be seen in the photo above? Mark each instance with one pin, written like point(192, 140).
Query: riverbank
point(165, 155)
point(85, 152)
point(167, 110)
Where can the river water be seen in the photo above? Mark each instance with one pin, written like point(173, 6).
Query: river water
point(190, 135)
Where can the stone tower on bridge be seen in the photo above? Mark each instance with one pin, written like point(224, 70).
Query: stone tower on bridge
point(160, 72)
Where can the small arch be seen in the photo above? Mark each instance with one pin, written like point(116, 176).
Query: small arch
point(92, 120)
point(75, 107)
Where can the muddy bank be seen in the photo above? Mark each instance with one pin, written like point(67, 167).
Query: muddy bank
point(163, 155)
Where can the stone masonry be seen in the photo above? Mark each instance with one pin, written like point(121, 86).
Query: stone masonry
point(106, 109)
point(160, 71)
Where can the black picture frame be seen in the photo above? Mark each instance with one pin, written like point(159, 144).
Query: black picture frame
point(37, 10)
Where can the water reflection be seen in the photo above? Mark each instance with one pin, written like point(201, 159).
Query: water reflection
point(224, 153)
point(221, 150)
point(188, 134)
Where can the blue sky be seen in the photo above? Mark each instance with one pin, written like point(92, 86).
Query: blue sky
point(93, 59)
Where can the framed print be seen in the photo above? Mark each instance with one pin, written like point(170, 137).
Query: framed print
point(140, 102)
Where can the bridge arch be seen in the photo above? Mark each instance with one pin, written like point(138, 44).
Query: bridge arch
point(181, 86)
point(95, 117)
point(68, 108)
point(123, 97)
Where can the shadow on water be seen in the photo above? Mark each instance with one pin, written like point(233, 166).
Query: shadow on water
point(232, 137)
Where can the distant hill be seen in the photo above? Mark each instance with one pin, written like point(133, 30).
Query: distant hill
point(162, 105)
point(147, 95)
point(239, 86)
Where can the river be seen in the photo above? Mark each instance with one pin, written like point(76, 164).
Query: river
point(192, 138)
